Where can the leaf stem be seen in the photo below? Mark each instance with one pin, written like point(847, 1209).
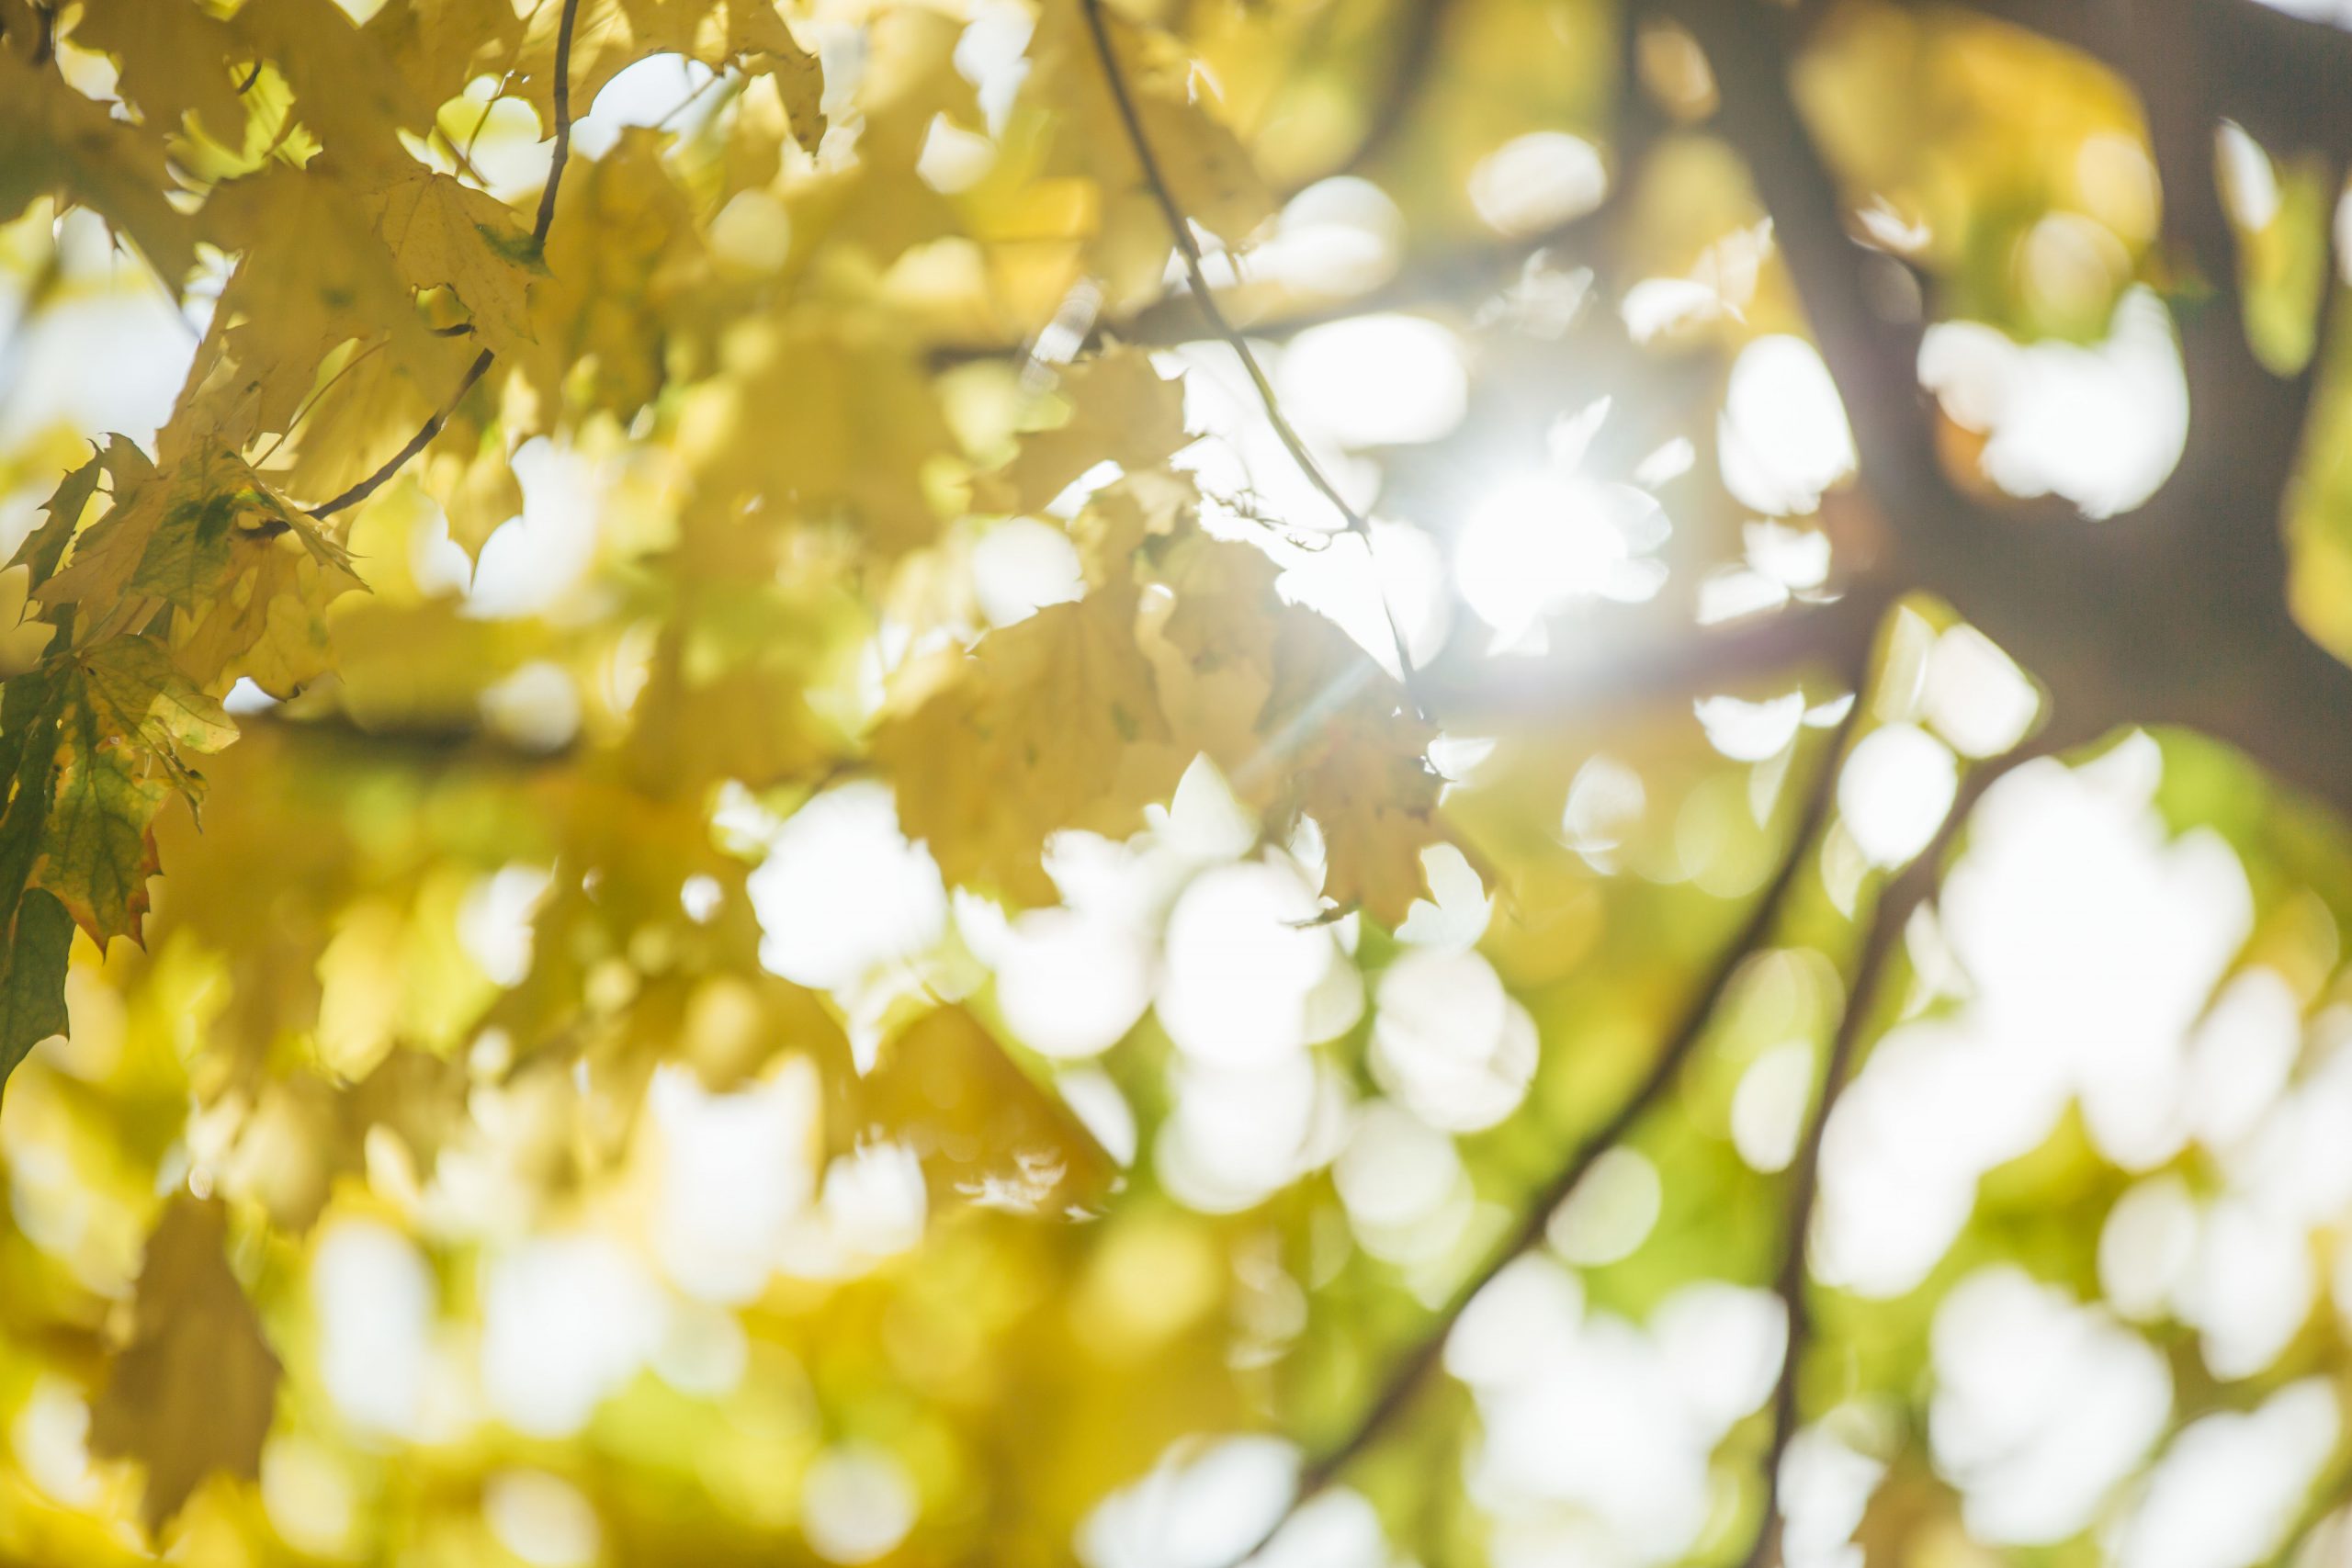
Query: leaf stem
point(481, 363)
point(1179, 229)
point(313, 401)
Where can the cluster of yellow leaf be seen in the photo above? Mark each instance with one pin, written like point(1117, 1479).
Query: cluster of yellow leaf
point(746, 313)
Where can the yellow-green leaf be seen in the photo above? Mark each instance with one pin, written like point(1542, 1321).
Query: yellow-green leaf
point(444, 234)
point(194, 1391)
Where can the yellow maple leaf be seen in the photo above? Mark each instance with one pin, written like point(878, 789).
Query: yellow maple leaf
point(989, 1132)
point(441, 45)
point(173, 535)
point(1052, 722)
point(347, 89)
point(289, 306)
point(610, 36)
point(1301, 719)
point(825, 419)
point(1121, 411)
point(623, 247)
point(444, 234)
point(62, 145)
point(172, 62)
point(128, 720)
point(194, 1391)
point(267, 622)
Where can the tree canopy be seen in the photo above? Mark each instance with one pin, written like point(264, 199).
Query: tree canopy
point(1163, 782)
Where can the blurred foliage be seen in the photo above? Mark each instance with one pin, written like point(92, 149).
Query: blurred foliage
point(832, 872)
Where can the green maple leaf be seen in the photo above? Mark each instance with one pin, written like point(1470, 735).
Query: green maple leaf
point(124, 720)
point(36, 933)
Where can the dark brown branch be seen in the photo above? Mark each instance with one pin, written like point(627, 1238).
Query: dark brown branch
point(1903, 896)
point(1180, 231)
point(1873, 361)
point(2257, 681)
point(1405, 1379)
point(1415, 55)
point(2246, 422)
point(2176, 91)
point(481, 362)
point(412, 445)
point(1594, 682)
point(2175, 614)
point(545, 219)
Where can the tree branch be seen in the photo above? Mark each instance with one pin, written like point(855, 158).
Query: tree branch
point(1416, 55)
point(1873, 361)
point(1180, 231)
point(1911, 888)
point(1405, 1379)
point(2246, 422)
point(563, 30)
point(1589, 681)
point(2177, 614)
point(481, 362)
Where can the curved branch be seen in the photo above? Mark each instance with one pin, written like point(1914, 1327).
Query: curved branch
point(1911, 888)
point(2178, 614)
point(1587, 681)
point(1416, 55)
point(1872, 360)
point(412, 445)
point(1180, 231)
point(1405, 1379)
point(481, 362)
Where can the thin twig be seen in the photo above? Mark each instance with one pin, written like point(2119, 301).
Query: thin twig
point(1179, 229)
point(481, 365)
point(1913, 887)
point(563, 119)
point(1407, 1378)
point(458, 155)
point(412, 445)
point(691, 98)
point(316, 398)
